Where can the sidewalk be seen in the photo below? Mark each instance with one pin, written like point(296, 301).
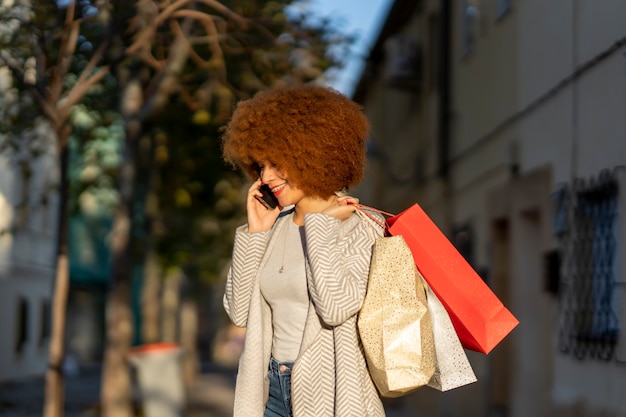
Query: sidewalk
point(211, 395)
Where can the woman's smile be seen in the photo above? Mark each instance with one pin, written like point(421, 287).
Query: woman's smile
point(278, 189)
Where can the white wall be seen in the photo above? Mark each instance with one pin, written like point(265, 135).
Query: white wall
point(28, 221)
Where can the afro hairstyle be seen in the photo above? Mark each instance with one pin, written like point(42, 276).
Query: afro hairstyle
point(314, 134)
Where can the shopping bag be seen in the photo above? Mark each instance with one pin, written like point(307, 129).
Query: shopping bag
point(453, 369)
point(394, 324)
point(479, 317)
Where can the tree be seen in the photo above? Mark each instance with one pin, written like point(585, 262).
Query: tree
point(199, 193)
point(154, 52)
point(42, 44)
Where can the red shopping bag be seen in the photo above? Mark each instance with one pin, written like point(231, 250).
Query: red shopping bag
point(479, 317)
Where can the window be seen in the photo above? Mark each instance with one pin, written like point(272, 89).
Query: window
point(434, 51)
point(586, 225)
point(21, 326)
point(502, 8)
point(471, 23)
point(44, 323)
point(403, 62)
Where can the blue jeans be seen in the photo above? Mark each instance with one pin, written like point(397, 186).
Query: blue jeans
point(279, 402)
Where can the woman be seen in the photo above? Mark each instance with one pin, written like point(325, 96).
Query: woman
point(299, 276)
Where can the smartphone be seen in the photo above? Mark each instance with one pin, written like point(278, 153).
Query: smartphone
point(268, 199)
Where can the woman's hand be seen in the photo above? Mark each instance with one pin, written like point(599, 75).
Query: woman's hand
point(259, 218)
point(343, 208)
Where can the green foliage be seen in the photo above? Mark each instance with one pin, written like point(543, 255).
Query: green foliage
point(201, 200)
point(188, 202)
point(95, 152)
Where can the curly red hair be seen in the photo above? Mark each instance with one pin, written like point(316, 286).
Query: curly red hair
point(314, 134)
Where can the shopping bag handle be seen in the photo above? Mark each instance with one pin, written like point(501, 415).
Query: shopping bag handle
point(361, 208)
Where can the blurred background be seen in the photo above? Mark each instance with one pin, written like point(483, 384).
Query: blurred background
point(505, 120)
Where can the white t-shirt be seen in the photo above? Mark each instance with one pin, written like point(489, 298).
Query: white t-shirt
point(286, 291)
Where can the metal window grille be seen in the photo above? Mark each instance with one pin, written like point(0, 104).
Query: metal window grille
point(586, 226)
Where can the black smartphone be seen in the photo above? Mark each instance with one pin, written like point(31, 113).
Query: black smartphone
point(268, 199)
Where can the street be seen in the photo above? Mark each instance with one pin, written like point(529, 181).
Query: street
point(210, 396)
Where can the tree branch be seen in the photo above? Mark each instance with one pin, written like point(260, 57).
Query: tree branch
point(95, 59)
point(66, 50)
point(78, 92)
point(220, 8)
point(164, 84)
point(212, 38)
point(168, 12)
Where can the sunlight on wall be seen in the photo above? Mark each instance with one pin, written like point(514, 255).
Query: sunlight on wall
point(6, 238)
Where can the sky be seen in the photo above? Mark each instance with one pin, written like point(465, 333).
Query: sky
point(363, 17)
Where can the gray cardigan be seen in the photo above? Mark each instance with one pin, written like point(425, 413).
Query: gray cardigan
point(330, 376)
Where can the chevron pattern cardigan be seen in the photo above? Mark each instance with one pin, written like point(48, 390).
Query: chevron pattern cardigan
point(329, 377)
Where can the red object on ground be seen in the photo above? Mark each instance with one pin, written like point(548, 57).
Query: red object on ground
point(154, 347)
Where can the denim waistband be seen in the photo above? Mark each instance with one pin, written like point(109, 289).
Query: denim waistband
point(275, 366)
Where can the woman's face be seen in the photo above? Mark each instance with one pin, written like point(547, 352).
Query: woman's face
point(286, 192)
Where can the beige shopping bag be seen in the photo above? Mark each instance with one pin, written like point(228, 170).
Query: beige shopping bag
point(394, 323)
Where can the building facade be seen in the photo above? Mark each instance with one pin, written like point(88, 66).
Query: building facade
point(28, 221)
point(505, 120)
